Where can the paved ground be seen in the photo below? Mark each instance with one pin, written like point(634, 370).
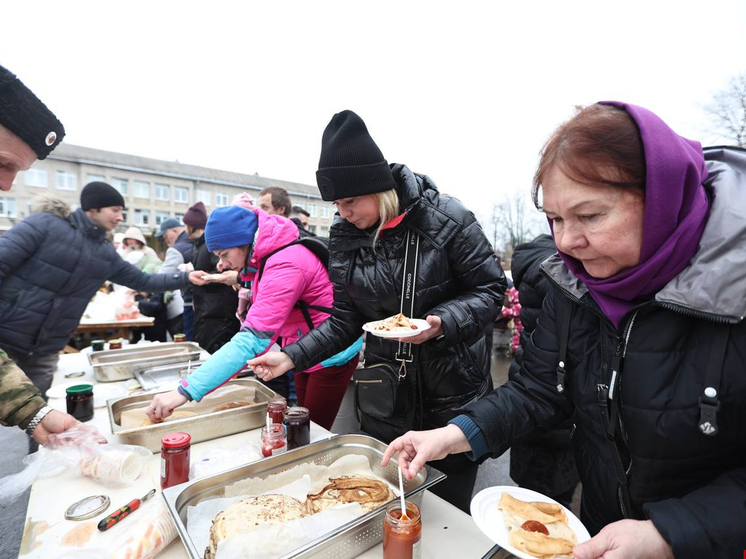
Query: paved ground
point(14, 445)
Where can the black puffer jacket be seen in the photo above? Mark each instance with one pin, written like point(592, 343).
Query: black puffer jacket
point(215, 321)
point(691, 485)
point(459, 279)
point(51, 264)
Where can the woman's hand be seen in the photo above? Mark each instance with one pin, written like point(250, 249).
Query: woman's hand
point(435, 330)
point(271, 365)
point(164, 405)
point(195, 277)
point(638, 539)
point(417, 447)
point(229, 277)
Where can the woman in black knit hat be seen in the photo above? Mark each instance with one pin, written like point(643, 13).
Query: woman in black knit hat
point(459, 287)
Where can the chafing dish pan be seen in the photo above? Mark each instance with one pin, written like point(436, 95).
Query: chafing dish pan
point(122, 364)
point(203, 427)
point(155, 377)
point(347, 541)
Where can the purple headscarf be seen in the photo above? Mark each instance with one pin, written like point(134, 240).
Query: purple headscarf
point(676, 210)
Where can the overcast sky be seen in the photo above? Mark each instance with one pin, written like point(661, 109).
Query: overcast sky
point(466, 92)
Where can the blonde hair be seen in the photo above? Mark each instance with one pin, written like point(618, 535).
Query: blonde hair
point(388, 209)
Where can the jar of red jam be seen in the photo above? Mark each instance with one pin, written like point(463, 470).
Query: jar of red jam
point(276, 409)
point(175, 449)
point(116, 343)
point(401, 537)
point(79, 399)
point(298, 425)
point(274, 440)
point(180, 338)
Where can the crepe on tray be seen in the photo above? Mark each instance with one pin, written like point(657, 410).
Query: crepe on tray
point(537, 528)
point(370, 493)
point(396, 323)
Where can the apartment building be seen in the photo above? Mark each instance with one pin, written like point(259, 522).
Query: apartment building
point(153, 190)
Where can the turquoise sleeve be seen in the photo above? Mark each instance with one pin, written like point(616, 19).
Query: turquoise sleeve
point(224, 363)
point(344, 356)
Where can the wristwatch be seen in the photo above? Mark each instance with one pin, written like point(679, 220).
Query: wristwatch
point(41, 414)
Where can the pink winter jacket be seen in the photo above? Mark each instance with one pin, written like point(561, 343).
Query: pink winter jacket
point(291, 275)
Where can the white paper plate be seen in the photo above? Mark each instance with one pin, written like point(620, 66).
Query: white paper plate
point(101, 392)
point(489, 519)
point(422, 325)
point(212, 276)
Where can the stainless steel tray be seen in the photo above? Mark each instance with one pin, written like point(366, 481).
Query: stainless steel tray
point(156, 377)
point(122, 364)
point(347, 541)
point(202, 427)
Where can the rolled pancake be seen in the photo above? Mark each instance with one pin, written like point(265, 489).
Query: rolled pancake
point(370, 493)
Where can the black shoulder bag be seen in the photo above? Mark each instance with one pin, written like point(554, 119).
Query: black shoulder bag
point(382, 390)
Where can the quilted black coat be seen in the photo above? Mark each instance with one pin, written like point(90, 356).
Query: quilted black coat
point(51, 265)
point(689, 481)
point(459, 279)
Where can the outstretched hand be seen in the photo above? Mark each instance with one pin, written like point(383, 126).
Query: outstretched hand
point(163, 405)
point(435, 330)
point(417, 447)
point(625, 539)
point(271, 365)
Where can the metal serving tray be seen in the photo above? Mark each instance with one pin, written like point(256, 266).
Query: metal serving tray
point(165, 375)
point(347, 541)
point(122, 364)
point(202, 427)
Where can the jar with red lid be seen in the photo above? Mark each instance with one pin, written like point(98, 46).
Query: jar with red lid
point(298, 424)
point(175, 449)
point(276, 408)
point(274, 440)
point(402, 537)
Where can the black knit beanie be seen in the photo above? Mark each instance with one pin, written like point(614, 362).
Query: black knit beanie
point(351, 163)
point(27, 117)
point(96, 195)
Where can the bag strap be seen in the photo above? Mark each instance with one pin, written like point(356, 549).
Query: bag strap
point(708, 402)
point(564, 310)
point(408, 287)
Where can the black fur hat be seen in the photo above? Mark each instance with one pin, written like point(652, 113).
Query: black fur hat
point(27, 117)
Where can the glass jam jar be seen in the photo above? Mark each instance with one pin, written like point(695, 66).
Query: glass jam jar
point(175, 449)
point(97, 345)
point(79, 400)
point(115, 343)
point(298, 424)
point(276, 409)
point(401, 538)
point(274, 440)
point(180, 338)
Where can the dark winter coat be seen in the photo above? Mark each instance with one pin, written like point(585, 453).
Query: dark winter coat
point(51, 264)
point(545, 461)
point(459, 279)
point(691, 485)
point(215, 321)
point(185, 246)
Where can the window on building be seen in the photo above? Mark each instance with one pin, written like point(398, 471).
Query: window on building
point(66, 181)
point(142, 217)
point(8, 207)
point(324, 231)
point(180, 217)
point(36, 177)
point(325, 211)
point(120, 185)
point(160, 217)
point(204, 196)
point(300, 205)
point(312, 228)
point(142, 189)
point(96, 178)
point(162, 192)
point(125, 219)
point(221, 199)
point(181, 195)
point(312, 210)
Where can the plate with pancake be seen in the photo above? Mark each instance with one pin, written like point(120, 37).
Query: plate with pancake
point(397, 326)
point(526, 523)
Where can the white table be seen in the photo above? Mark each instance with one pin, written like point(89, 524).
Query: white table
point(446, 533)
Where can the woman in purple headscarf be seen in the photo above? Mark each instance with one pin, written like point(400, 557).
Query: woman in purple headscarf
point(642, 340)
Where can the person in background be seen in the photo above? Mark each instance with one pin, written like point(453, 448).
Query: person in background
point(275, 201)
point(544, 462)
point(459, 289)
point(640, 341)
point(300, 217)
point(248, 241)
point(215, 321)
point(133, 241)
point(179, 252)
point(118, 243)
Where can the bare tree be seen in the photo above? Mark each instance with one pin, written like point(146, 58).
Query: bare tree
point(728, 111)
point(513, 223)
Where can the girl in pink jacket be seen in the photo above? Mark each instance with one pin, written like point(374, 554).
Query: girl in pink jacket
point(247, 240)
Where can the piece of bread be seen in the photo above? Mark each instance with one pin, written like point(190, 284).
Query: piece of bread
point(249, 513)
point(370, 493)
point(231, 405)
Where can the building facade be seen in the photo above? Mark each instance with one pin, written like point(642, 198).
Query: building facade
point(153, 190)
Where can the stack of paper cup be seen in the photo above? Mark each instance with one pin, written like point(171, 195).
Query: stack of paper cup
point(113, 466)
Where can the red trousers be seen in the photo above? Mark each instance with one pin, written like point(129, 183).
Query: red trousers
point(322, 391)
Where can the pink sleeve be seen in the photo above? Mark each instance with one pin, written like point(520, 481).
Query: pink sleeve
point(279, 289)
